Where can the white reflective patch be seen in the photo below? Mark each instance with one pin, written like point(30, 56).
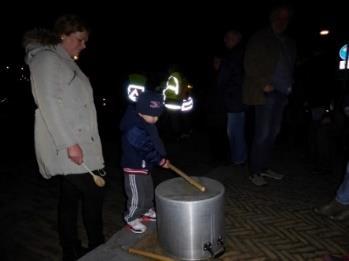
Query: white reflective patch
point(173, 107)
point(133, 91)
point(342, 65)
point(187, 104)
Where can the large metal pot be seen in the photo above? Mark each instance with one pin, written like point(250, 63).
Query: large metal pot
point(190, 222)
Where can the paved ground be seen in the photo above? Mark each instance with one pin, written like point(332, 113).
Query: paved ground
point(269, 223)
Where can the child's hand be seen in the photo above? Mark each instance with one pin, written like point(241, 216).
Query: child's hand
point(165, 163)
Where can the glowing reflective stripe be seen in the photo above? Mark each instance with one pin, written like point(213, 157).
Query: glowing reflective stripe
point(173, 107)
point(133, 91)
point(174, 88)
point(187, 104)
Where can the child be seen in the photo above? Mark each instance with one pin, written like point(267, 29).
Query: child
point(142, 149)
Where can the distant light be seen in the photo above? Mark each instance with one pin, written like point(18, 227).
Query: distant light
point(343, 55)
point(343, 52)
point(75, 57)
point(3, 100)
point(324, 32)
point(346, 110)
point(22, 68)
point(190, 87)
point(7, 67)
point(104, 99)
point(104, 104)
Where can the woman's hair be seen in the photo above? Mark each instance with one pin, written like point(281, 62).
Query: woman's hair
point(65, 24)
point(68, 24)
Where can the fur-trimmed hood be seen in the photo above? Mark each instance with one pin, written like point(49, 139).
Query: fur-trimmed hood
point(37, 40)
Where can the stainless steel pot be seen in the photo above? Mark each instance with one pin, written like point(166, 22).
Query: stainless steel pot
point(190, 222)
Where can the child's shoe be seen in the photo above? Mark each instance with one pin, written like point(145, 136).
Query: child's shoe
point(136, 226)
point(150, 215)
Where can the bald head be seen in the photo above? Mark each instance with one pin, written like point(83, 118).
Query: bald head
point(232, 38)
point(279, 19)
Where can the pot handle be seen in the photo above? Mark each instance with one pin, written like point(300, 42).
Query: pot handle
point(219, 252)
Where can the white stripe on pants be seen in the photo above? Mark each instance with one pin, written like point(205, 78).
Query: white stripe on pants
point(140, 195)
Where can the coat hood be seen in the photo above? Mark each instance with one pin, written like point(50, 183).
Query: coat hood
point(37, 40)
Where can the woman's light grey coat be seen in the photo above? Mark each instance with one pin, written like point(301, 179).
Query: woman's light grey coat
point(66, 113)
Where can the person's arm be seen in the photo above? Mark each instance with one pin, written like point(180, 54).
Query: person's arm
point(140, 140)
point(48, 87)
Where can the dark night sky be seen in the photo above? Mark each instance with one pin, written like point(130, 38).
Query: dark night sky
point(173, 26)
point(135, 28)
point(153, 35)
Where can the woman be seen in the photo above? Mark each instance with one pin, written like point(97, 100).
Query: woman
point(66, 133)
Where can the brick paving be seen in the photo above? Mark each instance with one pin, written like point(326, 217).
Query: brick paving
point(275, 222)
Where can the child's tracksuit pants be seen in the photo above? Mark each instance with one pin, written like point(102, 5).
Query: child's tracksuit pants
point(140, 195)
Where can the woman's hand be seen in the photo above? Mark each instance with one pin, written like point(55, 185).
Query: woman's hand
point(268, 88)
point(75, 154)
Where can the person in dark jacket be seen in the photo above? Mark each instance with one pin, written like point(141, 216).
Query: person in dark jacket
point(229, 83)
point(142, 149)
point(269, 64)
point(216, 117)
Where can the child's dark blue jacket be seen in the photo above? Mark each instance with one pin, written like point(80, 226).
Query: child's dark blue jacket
point(142, 147)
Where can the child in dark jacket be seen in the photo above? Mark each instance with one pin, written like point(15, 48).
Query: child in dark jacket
point(142, 149)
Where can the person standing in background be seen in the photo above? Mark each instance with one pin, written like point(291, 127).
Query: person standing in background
point(269, 64)
point(229, 81)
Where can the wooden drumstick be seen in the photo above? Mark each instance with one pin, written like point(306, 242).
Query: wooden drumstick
point(149, 254)
point(187, 178)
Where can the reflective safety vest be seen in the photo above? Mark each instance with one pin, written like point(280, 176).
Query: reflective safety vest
point(176, 94)
point(136, 85)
